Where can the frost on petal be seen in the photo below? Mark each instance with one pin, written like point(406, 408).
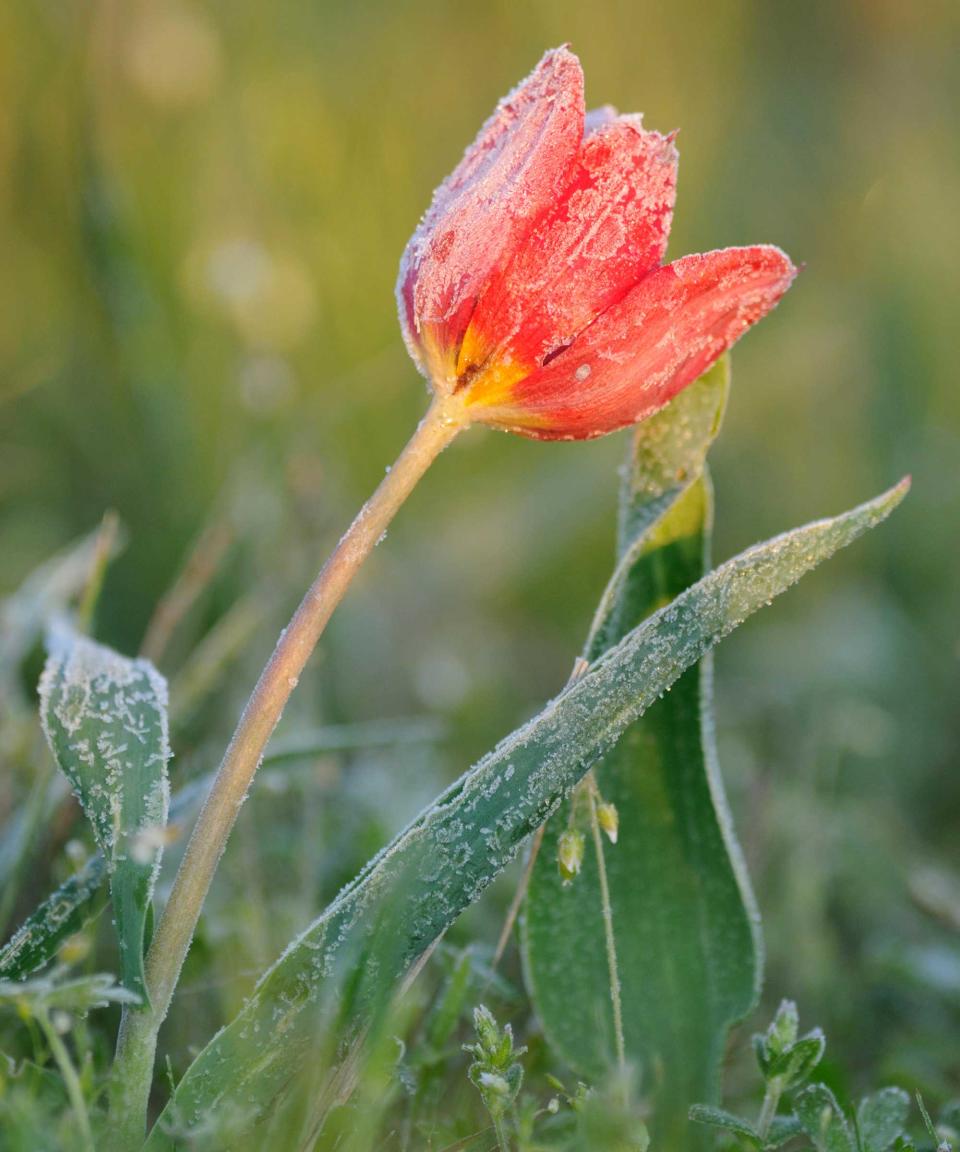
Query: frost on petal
point(641, 352)
point(608, 228)
point(487, 206)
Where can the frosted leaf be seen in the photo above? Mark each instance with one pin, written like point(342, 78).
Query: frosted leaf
point(105, 718)
point(347, 964)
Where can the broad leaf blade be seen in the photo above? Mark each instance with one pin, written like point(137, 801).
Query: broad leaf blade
point(105, 718)
point(726, 1121)
point(881, 1118)
point(797, 1063)
point(684, 920)
point(822, 1119)
point(411, 893)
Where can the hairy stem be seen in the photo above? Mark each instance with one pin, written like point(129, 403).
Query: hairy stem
point(138, 1031)
point(499, 1128)
point(768, 1110)
point(611, 943)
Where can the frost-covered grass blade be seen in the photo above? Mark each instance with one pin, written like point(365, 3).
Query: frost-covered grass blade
point(105, 717)
point(410, 893)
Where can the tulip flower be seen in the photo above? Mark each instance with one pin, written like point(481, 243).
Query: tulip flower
point(534, 298)
point(534, 290)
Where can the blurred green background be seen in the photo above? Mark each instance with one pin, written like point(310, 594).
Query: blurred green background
point(201, 212)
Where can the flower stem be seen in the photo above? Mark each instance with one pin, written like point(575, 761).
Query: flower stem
point(611, 943)
point(501, 1134)
point(137, 1041)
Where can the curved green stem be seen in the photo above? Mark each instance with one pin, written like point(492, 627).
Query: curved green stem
point(137, 1041)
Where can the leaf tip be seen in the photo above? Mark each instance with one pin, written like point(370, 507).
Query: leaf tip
point(885, 503)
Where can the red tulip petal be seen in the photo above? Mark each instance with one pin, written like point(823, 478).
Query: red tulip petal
point(486, 207)
point(607, 229)
point(643, 350)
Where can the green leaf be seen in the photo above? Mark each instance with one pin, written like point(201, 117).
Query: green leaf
point(719, 1118)
point(669, 451)
point(446, 1013)
point(349, 960)
point(782, 1129)
point(79, 995)
point(684, 920)
point(62, 914)
point(783, 1030)
point(797, 1062)
point(881, 1118)
point(823, 1121)
point(105, 718)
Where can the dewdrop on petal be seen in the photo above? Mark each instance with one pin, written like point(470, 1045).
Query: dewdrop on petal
point(570, 848)
point(609, 820)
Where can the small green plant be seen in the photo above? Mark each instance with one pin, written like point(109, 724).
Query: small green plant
point(787, 1061)
point(496, 1070)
